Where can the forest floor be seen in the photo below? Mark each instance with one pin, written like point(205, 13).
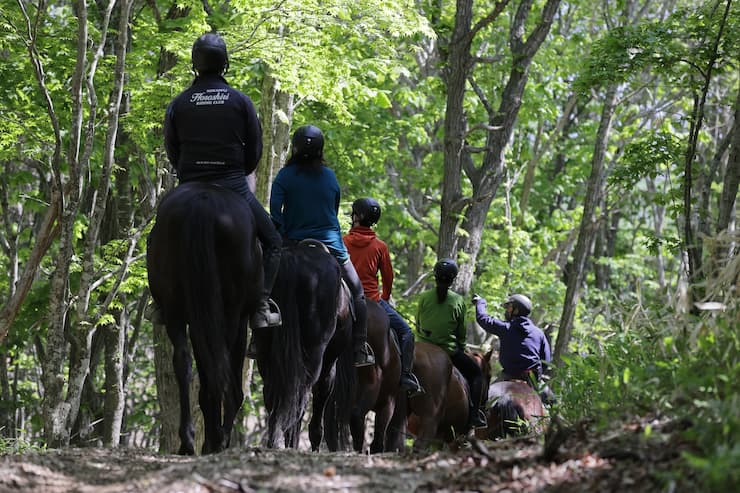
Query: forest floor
point(625, 459)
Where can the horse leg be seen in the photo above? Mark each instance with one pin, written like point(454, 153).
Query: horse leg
point(234, 395)
point(321, 391)
point(211, 399)
point(383, 415)
point(395, 435)
point(182, 363)
point(357, 428)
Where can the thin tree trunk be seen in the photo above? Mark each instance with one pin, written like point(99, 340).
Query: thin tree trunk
point(276, 113)
point(167, 396)
point(732, 176)
point(589, 223)
point(114, 337)
point(691, 243)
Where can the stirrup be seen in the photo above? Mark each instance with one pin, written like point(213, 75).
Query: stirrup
point(267, 315)
point(413, 388)
point(364, 356)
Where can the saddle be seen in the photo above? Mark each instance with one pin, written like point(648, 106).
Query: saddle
point(346, 301)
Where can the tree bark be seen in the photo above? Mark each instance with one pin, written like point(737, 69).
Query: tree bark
point(589, 224)
point(732, 176)
point(113, 407)
point(276, 114)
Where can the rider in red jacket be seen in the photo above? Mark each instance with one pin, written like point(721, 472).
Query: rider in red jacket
point(370, 256)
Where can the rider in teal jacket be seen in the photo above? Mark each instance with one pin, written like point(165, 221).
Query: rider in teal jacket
point(304, 203)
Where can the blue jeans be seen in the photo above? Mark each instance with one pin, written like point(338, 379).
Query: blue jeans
point(398, 324)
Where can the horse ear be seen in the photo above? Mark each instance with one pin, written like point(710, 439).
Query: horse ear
point(489, 355)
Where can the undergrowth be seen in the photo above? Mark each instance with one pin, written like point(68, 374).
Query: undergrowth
point(681, 367)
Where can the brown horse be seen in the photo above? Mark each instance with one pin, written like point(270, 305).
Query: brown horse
point(378, 385)
point(442, 412)
point(514, 408)
point(370, 388)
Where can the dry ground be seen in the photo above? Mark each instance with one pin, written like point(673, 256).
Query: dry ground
point(585, 460)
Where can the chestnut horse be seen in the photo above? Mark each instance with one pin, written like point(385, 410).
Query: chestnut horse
point(205, 274)
point(442, 412)
point(514, 408)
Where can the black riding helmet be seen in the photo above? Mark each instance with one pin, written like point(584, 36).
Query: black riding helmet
point(445, 271)
point(367, 210)
point(209, 55)
point(521, 303)
point(308, 142)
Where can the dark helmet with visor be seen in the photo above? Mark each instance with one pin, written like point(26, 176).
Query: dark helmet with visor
point(367, 210)
point(445, 271)
point(209, 55)
point(521, 303)
point(308, 142)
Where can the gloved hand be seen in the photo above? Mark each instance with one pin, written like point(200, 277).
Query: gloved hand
point(476, 299)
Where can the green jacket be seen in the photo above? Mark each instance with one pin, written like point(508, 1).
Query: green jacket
point(443, 323)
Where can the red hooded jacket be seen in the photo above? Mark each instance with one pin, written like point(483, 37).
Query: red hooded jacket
point(370, 255)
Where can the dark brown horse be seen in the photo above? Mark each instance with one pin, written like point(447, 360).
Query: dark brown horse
point(371, 388)
point(442, 412)
point(205, 273)
point(514, 408)
point(299, 357)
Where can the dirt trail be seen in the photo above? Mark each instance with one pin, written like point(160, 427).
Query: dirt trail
point(622, 461)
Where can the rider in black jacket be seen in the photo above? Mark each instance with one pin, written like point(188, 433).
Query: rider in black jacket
point(212, 134)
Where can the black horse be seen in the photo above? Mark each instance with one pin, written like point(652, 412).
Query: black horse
point(300, 356)
point(205, 273)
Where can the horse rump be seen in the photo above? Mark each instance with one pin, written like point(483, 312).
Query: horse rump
point(514, 409)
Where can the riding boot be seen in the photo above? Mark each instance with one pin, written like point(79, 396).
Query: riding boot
point(477, 415)
point(363, 353)
point(409, 382)
point(268, 313)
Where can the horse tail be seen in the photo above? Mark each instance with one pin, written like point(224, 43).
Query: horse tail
point(507, 417)
point(203, 297)
point(340, 405)
point(286, 366)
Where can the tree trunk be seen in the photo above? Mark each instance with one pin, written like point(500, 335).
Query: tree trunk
point(276, 113)
point(691, 242)
point(485, 179)
point(732, 177)
point(114, 336)
point(167, 394)
point(589, 224)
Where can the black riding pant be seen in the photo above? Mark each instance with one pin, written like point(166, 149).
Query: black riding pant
point(472, 373)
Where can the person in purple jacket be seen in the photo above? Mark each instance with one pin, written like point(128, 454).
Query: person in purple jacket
point(524, 350)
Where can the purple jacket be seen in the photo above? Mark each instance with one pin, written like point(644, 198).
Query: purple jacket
point(523, 345)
